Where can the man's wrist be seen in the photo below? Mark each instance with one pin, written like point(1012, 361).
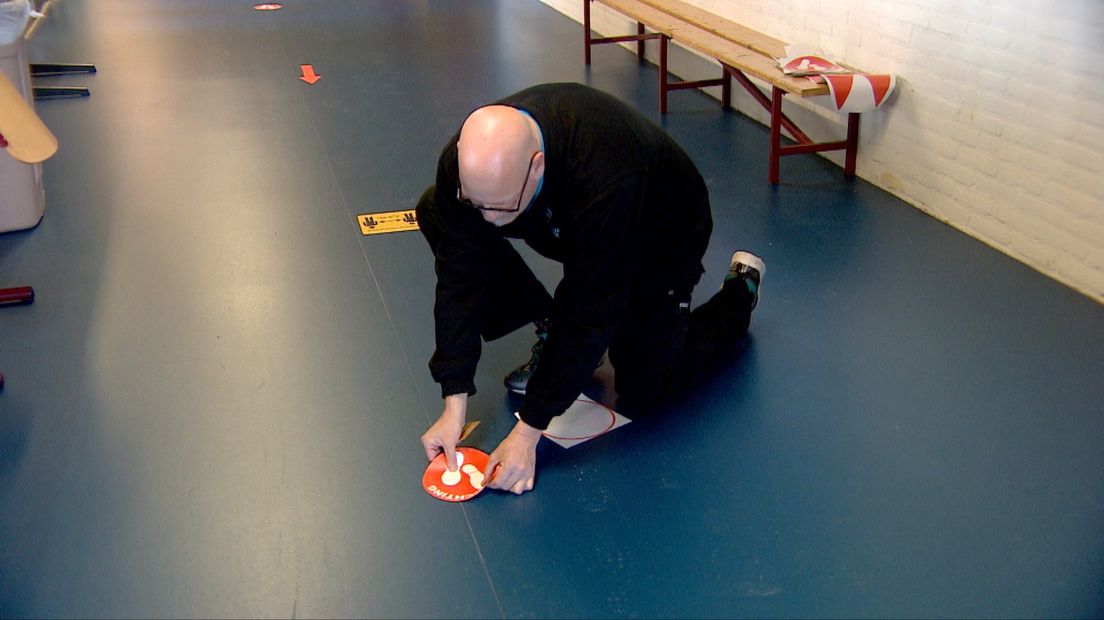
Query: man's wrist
point(528, 432)
point(456, 406)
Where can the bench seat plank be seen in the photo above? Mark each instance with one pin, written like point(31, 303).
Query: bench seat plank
point(657, 20)
point(715, 46)
point(742, 52)
point(746, 60)
point(724, 28)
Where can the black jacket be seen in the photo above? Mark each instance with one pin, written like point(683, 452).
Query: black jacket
point(621, 205)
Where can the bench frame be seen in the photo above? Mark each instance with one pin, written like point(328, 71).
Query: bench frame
point(773, 104)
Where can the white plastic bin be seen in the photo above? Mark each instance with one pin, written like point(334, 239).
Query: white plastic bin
point(22, 197)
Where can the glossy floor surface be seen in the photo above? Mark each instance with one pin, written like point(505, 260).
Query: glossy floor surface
point(213, 407)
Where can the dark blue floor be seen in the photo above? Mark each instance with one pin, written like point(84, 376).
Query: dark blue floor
point(213, 407)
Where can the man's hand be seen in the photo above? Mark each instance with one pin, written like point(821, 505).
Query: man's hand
point(516, 460)
point(445, 432)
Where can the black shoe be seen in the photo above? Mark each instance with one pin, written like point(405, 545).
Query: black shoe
point(750, 268)
point(518, 379)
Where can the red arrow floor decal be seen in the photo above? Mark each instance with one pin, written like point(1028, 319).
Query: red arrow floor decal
point(308, 74)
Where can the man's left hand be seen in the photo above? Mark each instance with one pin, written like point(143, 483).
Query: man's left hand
point(516, 460)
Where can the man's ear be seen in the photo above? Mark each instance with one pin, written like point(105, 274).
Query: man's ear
point(538, 165)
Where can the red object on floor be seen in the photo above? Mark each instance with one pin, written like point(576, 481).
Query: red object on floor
point(458, 486)
point(16, 296)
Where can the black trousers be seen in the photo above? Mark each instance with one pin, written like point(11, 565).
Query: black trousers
point(660, 348)
point(663, 349)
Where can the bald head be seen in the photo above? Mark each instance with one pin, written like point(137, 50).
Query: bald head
point(494, 151)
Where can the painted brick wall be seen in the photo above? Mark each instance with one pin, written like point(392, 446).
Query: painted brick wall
point(997, 124)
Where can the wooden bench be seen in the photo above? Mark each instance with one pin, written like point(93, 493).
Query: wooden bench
point(741, 52)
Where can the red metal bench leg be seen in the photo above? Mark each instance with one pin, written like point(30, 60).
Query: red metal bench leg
point(758, 95)
point(852, 143)
point(663, 74)
point(586, 31)
point(726, 89)
point(16, 296)
point(775, 133)
point(640, 43)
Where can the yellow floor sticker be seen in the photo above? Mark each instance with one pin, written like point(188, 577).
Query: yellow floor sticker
point(387, 222)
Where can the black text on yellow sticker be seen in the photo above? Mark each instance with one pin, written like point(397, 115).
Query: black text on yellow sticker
point(387, 222)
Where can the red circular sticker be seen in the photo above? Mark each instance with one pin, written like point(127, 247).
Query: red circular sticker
point(460, 485)
point(268, 6)
point(587, 423)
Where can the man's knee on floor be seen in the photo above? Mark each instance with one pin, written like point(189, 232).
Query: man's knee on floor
point(641, 398)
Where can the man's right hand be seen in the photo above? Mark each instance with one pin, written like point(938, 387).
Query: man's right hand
point(444, 434)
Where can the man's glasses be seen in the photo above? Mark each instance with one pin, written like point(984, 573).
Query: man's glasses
point(462, 199)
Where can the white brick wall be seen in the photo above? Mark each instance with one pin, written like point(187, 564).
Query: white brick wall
point(997, 125)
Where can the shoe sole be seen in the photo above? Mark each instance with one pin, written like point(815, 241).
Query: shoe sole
point(751, 260)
